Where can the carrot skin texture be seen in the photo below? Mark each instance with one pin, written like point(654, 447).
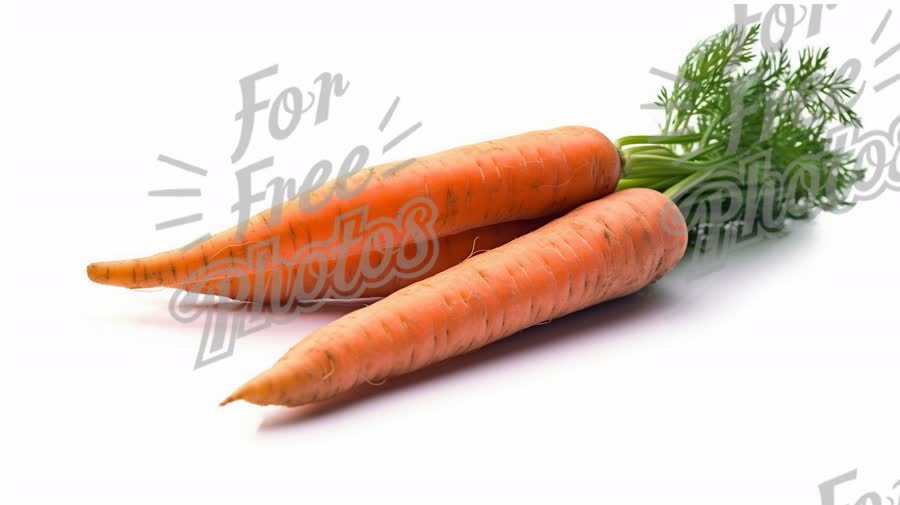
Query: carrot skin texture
point(516, 178)
point(291, 283)
point(600, 251)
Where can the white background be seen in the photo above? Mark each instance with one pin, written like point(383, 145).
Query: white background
point(751, 382)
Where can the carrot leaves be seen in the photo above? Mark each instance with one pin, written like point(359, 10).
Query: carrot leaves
point(745, 141)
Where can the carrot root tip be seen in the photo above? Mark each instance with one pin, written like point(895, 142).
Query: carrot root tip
point(94, 273)
point(228, 400)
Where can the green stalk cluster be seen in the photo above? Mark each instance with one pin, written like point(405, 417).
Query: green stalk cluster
point(745, 138)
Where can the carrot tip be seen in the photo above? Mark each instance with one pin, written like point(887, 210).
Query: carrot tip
point(94, 272)
point(228, 400)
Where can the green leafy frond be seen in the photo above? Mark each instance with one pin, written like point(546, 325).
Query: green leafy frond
point(745, 137)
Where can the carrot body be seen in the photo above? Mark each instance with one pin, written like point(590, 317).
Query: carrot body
point(602, 250)
point(521, 177)
point(346, 277)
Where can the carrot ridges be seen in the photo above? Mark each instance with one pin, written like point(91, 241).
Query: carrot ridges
point(523, 177)
point(623, 246)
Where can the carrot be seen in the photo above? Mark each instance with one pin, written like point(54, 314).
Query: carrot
point(343, 278)
point(521, 177)
point(742, 148)
point(602, 250)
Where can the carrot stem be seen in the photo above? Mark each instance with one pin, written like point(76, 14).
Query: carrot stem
point(738, 122)
point(644, 182)
point(658, 139)
point(685, 184)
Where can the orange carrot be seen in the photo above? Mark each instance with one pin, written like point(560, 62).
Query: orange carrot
point(607, 247)
point(521, 177)
point(344, 278)
point(602, 250)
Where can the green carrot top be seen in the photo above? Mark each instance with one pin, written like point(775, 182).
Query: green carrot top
point(745, 138)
